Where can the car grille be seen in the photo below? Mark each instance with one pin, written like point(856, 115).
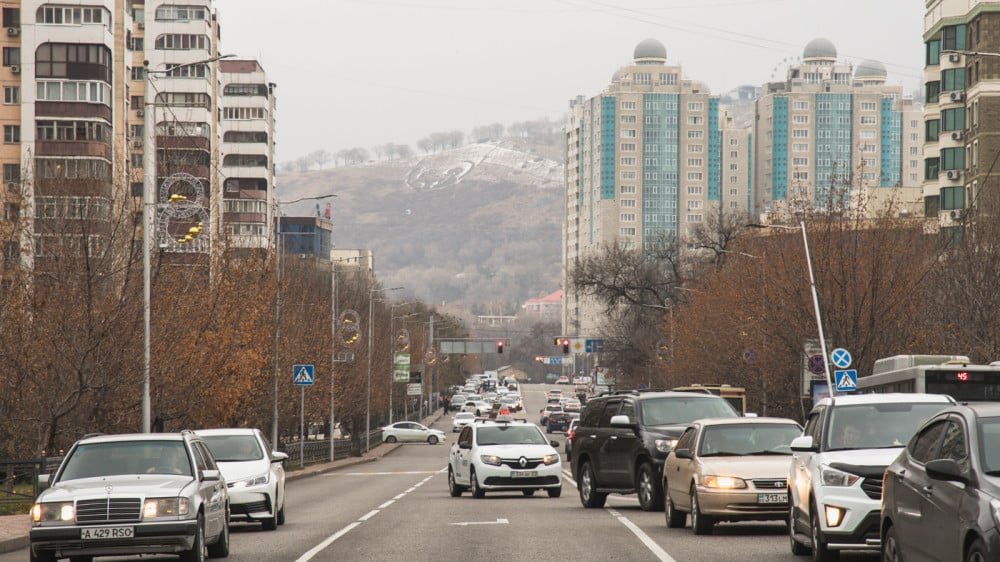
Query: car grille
point(872, 487)
point(108, 510)
point(239, 509)
point(506, 481)
point(516, 463)
point(769, 483)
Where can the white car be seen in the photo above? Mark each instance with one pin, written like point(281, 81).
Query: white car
point(461, 420)
point(477, 407)
point(253, 472)
point(504, 455)
point(411, 431)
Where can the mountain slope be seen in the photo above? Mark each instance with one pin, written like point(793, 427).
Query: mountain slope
point(478, 226)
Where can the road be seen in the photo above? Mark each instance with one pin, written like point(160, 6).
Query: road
point(399, 509)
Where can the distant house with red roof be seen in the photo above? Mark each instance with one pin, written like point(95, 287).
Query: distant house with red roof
point(547, 308)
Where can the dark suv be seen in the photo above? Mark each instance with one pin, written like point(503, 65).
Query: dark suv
point(622, 441)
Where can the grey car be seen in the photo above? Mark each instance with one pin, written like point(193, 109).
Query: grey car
point(146, 493)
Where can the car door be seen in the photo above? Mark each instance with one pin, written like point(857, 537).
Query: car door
point(603, 464)
point(213, 492)
point(677, 472)
point(942, 499)
point(460, 456)
point(800, 473)
point(907, 480)
point(620, 443)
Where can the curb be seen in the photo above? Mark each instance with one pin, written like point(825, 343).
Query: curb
point(14, 543)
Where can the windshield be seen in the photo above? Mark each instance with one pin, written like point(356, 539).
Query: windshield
point(989, 444)
point(680, 410)
point(511, 435)
point(234, 448)
point(876, 426)
point(748, 439)
point(126, 457)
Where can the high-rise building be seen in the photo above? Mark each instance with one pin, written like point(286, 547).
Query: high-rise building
point(832, 137)
point(645, 161)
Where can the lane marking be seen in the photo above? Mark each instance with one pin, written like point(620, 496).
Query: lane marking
point(657, 551)
point(368, 515)
point(321, 546)
point(381, 473)
point(387, 504)
point(467, 523)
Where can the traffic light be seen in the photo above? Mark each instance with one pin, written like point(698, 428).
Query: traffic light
point(499, 346)
point(565, 344)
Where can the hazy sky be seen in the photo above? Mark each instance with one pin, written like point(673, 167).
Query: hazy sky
point(358, 73)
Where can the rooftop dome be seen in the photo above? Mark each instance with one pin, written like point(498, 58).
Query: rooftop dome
point(820, 48)
point(650, 51)
point(870, 69)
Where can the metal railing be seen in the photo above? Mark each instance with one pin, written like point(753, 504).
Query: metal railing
point(19, 478)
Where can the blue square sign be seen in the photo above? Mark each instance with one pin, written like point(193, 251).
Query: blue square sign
point(846, 380)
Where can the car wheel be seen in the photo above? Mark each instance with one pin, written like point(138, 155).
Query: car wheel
point(820, 550)
point(976, 552)
point(555, 492)
point(700, 524)
point(220, 548)
point(477, 492)
point(453, 488)
point(589, 496)
point(390, 439)
point(675, 519)
point(890, 546)
point(528, 493)
point(269, 523)
point(648, 488)
point(281, 511)
point(197, 552)
point(433, 439)
point(798, 549)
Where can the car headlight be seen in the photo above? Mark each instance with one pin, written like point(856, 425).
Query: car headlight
point(253, 481)
point(61, 511)
point(833, 477)
point(665, 445)
point(723, 482)
point(164, 507)
point(490, 459)
point(550, 459)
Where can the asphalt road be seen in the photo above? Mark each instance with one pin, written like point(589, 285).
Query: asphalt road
point(399, 509)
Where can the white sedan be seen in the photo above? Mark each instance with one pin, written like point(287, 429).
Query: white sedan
point(411, 431)
point(461, 420)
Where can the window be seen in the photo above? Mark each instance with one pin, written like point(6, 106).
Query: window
point(11, 174)
point(695, 120)
point(190, 99)
point(694, 176)
point(643, 78)
point(800, 105)
point(628, 175)
point(696, 106)
point(668, 79)
point(933, 52)
point(695, 190)
point(628, 105)
point(183, 42)
point(245, 136)
point(90, 92)
point(696, 148)
point(867, 134)
point(135, 132)
point(800, 119)
point(628, 147)
point(952, 79)
point(624, 118)
point(179, 70)
point(627, 231)
point(11, 134)
point(869, 120)
point(868, 106)
point(11, 95)
point(628, 189)
point(72, 15)
point(11, 56)
point(628, 161)
point(952, 198)
point(179, 12)
point(953, 119)
point(800, 175)
point(261, 90)
point(953, 158)
point(931, 131)
point(696, 204)
point(628, 217)
point(628, 133)
point(695, 162)
point(953, 38)
point(628, 203)
point(931, 168)
point(137, 102)
point(932, 90)
point(800, 147)
point(137, 44)
point(12, 17)
point(11, 212)
point(696, 134)
point(79, 60)
point(923, 448)
point(800, 161)
point(800, 133)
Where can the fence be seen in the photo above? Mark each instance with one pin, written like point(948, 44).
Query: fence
point(19, 478)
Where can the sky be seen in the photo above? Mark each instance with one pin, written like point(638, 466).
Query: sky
point(362, 73)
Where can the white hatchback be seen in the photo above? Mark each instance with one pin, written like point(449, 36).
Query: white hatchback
point(254, 474)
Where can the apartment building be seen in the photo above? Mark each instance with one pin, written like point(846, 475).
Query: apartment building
point(645, 161)
point(832, 137)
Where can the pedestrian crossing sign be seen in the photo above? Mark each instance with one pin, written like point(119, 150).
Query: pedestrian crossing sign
point(302, 375)
point(847, 380)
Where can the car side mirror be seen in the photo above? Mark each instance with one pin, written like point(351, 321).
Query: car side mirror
point(43, 482)
point(554, 443)
point(465, 445)
point(946, 469)
point(684, 453)
point(621, 420)
point(211, 475)
point(804, 443)
point(278, 456)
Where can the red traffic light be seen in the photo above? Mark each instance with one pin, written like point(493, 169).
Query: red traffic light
point(565, 344)
point(499, 346)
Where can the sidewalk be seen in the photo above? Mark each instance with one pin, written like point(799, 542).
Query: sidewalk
point(14, 528)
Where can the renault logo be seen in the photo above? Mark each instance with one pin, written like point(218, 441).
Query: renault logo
point(523, 462)
point(779, 484)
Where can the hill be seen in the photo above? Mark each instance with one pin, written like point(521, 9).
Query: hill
point(478, 226)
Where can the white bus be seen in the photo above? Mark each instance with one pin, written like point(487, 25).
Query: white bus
point(954, 375)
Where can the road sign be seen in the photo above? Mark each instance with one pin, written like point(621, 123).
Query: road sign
point(847, 380)
point(840, 358)
point(302, 375)
point(816, 364)
point(414, 389)
point(593, 346)
point(416, 377)
point(401, 367)
point(551, 360)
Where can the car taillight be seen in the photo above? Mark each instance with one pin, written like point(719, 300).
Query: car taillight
point(569, 435)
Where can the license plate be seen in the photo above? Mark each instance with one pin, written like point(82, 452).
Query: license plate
point(524, 474)
point(772, 498)
point(107, 533)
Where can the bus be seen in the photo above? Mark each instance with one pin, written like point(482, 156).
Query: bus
point(735, 395)
point(954, 375)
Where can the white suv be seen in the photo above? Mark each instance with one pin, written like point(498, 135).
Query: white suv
point(835, 479)
point(503, 455)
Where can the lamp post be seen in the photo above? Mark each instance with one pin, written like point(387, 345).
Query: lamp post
point(149, 220)
point(333, 346)
point(815, 297)
point(278, 250)
point(393, 336)
point(368, 399)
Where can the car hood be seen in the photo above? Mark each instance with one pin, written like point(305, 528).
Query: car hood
point(134, 485)
point(747, 467)
point(514, 451)
point(233, 471)
point(861, 458)
point(669, 431)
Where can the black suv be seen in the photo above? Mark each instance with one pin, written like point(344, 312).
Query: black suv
point(622, 441)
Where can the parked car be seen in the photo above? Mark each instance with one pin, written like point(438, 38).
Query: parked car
point(623, 440)
point(254, 474)
point(835, 477)
point(558, 421)
point(132, 494)
point(942, 493)
point(729, 469)
point(460, 420)
point(411, 431)
point(503, 455)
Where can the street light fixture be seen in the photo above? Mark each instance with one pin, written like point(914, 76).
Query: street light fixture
point(148, 221)
point(368, 399)
point(279, 248)
point(815, 297)
point(393, 336)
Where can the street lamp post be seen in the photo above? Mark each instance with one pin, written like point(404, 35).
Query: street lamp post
point(149, 221)
point(393, 337)
point(368, 399)
point(815, 297)
point(279, 248)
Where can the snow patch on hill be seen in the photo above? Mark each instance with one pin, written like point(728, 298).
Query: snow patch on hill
point(447, 169)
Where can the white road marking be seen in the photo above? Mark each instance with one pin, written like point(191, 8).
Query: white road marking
point(319, 548)
point(467, 523)
point(368, 515)
point(387, 504)
point(381, 473)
